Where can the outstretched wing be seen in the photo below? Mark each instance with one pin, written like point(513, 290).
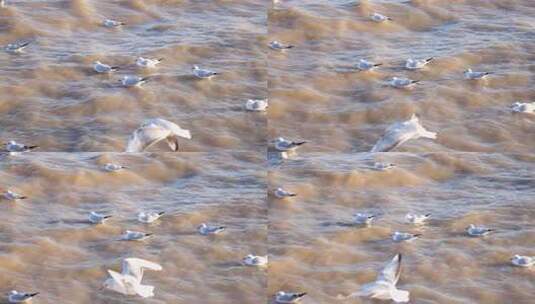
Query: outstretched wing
point(392, 271)
point(135, 266)
point(146, 136)
point(172, 127)
point(394, 136)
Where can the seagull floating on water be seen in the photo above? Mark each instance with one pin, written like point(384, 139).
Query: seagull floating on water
point(256, 105)
point(523, 261)
point(20, 297)
point(205, 229)
point(416, 64)
point(203, 73)
point(383, 166)
point(113, 167)
point(128, 282)
point(284, 297)
point(523, 107)
point(365, 65)
point(363, 218)
point(100, 67)
point(279, 46)
point(97, 218)
point(153, 131)
point(13, 196)
point(400, 132)
point(135, 236)
point(402, 82)
point(281, 193)
point(255, 260)
point(13, 146)
point(148, 62)
point(379, 17)
point(133, 81)
point(16, 47)
point(469, 74)
point(283, 145)
point(384, 288)
point(417, 219)
point(476, 231)
point(404, 236)
point(149, 217)
point(112, 23)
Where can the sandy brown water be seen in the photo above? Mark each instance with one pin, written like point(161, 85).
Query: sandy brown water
point(480, 169)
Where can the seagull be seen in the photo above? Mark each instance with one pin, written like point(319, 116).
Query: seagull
point(154, 130)
point(402, 82)
point(133, 81)
point(113, 167)
point(523, 261)
point(476, 231)
point(523, 107)
point(284, 297)
point(16, 47)
point(365, 65)
point(417, 219)
point(128, 282)
point(97, 218)
point(112, 23)
point(384, 288)
point(149, 217)
point(404, 236)
point(379, 18)
point(135, 236)
point(209, 230)
point(415, 64)
point(148, 62)
point(256, 105)
point(400, 132)
point(12, 196)
point(100, 67)
point(20, 297)
point(283, 145)
point(203, 73)
point(13, 146)
point(469, 74)
point(281, 193)
point(279, 46)
point(363, 218)
point(383, 166)
point(255, 260)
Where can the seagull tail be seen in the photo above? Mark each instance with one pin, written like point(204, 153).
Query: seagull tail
point(400, 296)
point(33, 294)
point(300, 295)
point(160, 59)
point(377, 64)
point(23, 197)
point(429, 59)
point(415, 81)
point(298, 143)
point(144, 79)
point(32, 147)
point(161, 213)
point(427, 134)
point(114, 68)
point(145, 291)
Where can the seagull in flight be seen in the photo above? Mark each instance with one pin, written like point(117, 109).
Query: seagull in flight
point(148, 62)
point(417, 64)
point(153, 131)
point(400, 132)
point(128, 282)
point(16, 47)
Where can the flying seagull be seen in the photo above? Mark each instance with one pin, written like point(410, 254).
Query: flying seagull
point(155, 130)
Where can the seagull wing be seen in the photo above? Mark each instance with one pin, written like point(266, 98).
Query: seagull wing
point(146, 136)
point(173, 127)
point(117, 277)
point(395, 135)
point(135, 266)
point(392, 271)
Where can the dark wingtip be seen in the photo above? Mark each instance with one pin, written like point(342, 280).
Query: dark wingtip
point(292, 194)
point(107, 216)
point(300, 295)
point(430, 59)
point(161, 59)
point(149, 234)
point(23, 197)
point(300, 143)
point(377, 64)
point(32, 147)
point(427, 214)
point(33, 294)
point(161, 213)
point(418, 235)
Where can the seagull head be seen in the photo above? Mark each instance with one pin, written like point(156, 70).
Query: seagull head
point(195, 67)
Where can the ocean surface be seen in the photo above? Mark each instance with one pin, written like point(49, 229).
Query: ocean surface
point(479, 170)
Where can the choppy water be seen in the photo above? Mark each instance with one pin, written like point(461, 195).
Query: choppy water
point(480, 169)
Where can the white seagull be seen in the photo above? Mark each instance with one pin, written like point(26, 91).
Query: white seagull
point(365, 65)
point(284, 145)
point(469, 74)
point(402, 82)
point(523, 107)
point(383, 166)
point(416, 64)
point(384, 288)
point(110, 167)
point(255, 260)
point(205, 229)
point(133, 81)
point(281, 193)
point(279, 46)
point(400, 132)
point(148, 62)
point(404, 236)
point(417, 219)
point(128, 282)
point(135, 236)
point(284, 297)
point(13, 146)
point(379, 17)
point(203, 73)
point(100, 67)
point(112, 23)
point(476, 231)
point(149, 217)
point(12, 196)
point(16, 47)
point(256, 105)
point(363, 218)
point(20, 297)
point(523, 261)
point(97, 218)
point(153, 131)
